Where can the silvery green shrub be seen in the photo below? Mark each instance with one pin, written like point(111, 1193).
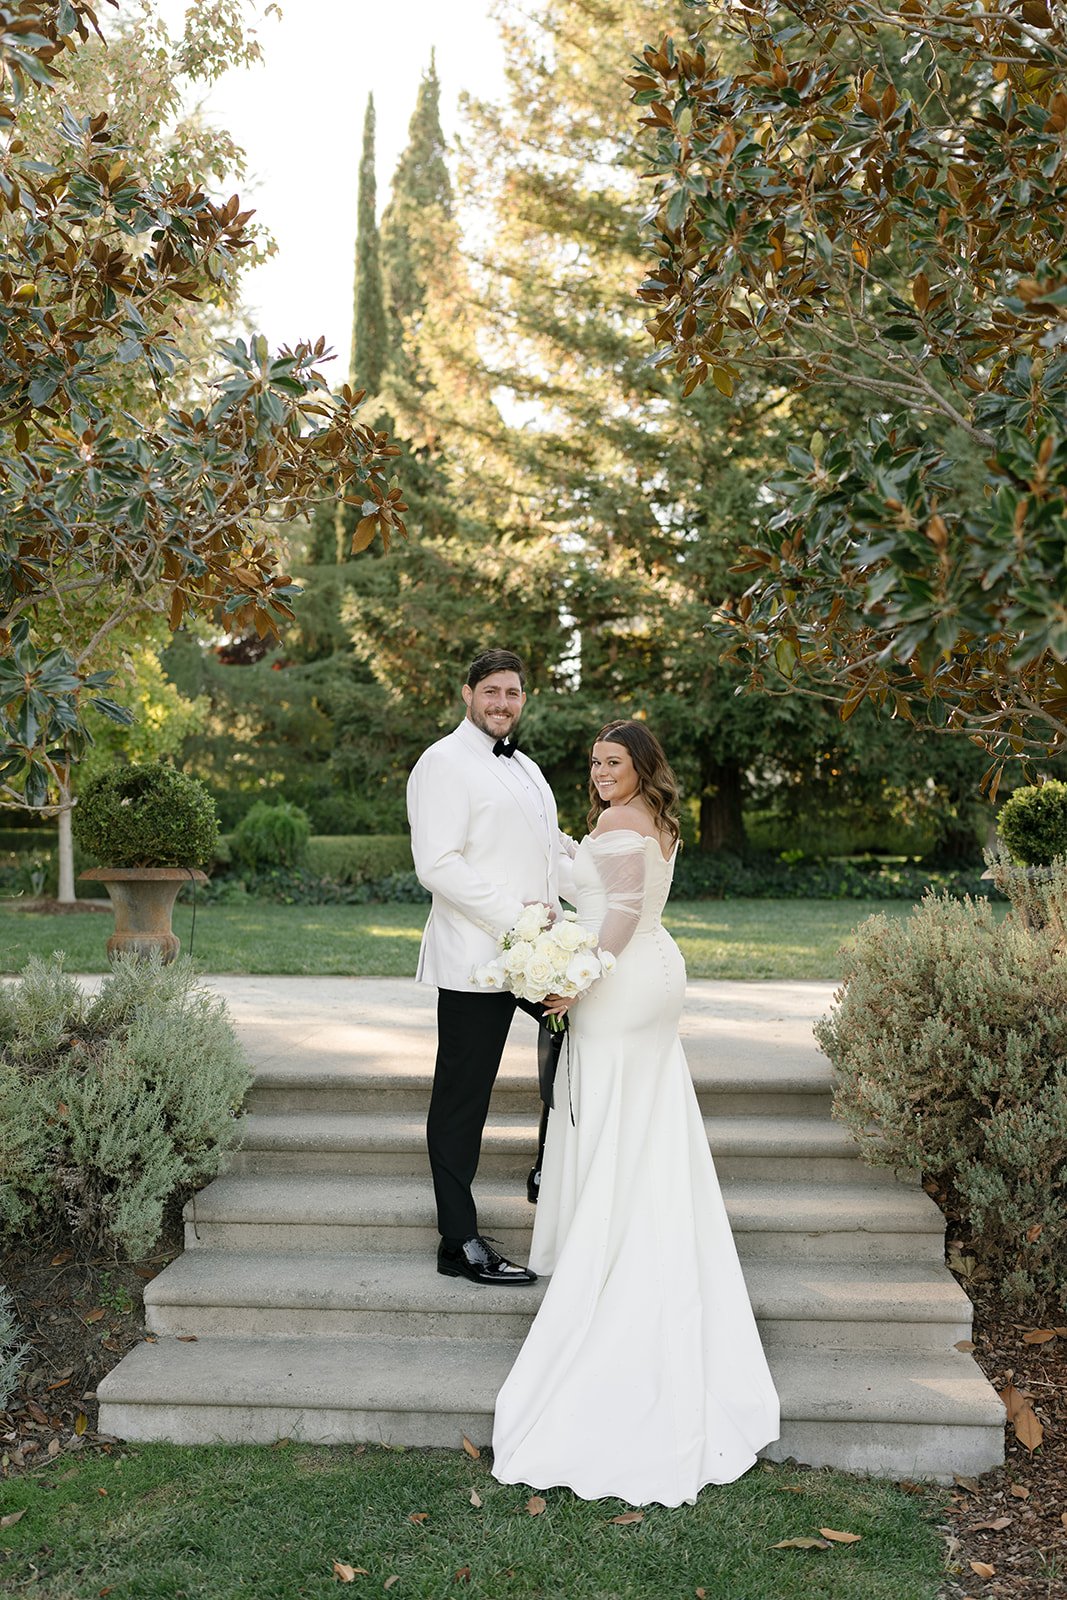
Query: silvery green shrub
point(112, 1104)
point(12, 1349)
point(949, 1039)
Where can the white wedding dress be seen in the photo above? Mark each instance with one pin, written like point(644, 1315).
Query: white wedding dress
point(643, 1376)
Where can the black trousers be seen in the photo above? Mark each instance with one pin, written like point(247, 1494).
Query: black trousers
point(472, 1030)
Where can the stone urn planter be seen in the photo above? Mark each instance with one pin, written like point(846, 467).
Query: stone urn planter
point(154, 828)
point(143, 899)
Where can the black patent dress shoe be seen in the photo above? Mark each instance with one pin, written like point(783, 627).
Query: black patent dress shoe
point(533, 1185)
point(477, 1260)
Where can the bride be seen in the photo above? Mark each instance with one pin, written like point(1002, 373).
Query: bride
point(643, 1376)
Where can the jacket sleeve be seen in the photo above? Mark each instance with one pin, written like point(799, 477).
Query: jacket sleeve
point(620, 861)
point(439, 814)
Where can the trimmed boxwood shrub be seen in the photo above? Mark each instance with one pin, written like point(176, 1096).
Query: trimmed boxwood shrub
point(1033, 823)
point(112, 1105)
point(272, 833)
point(146, 816)
point(949, 1041)
point(359, 858)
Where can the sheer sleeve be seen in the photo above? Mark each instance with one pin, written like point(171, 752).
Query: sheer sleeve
point(620, 861)
point(567, 848)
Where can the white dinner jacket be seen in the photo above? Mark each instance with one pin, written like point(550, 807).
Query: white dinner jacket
point(481, 849)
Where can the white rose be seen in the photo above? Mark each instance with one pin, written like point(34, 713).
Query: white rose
point(538, 974)
point(516, 956)
point(570, 937)
point(531, 920)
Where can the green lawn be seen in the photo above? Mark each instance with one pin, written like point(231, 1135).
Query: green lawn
point(166, 1523)
point(719, 938)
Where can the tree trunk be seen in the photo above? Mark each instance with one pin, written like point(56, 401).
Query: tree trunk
point(66, 844)
point(722, 825)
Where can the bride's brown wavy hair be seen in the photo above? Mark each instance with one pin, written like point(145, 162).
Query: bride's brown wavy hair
point(656, 783)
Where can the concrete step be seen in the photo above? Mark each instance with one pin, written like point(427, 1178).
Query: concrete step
point(895, 1413)
point(284, 1088)
point(835, 1305)
point(743, 1146)
point(325, 1212)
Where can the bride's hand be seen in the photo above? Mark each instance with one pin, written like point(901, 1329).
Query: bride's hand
point(557, 1005)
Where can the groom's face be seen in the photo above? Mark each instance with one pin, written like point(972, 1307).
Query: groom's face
point(495, 703)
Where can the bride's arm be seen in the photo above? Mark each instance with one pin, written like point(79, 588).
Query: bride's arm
point(619, 858)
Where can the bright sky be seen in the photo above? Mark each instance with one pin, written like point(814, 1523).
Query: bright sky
point(303, 145)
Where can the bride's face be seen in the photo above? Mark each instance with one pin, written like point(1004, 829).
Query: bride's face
point(613, 773)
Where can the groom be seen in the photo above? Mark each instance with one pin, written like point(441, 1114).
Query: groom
point(485, 842)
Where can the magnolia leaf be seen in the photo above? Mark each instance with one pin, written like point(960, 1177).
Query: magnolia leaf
point(346, 1574)
point(996, 1526)
point(12, 1517)
point(982, 1569)
point(840, 1538)
point(1019, 1491)
point(93, 1316)
point(629, 1516)
point(476, 1498)
point(471, 1449)
point(1039, 1336)
point(802, 1544)
point(419, 1516)
point(536, 1504)
point(462, 1575)
point(394, 1578)
point(964, 1344)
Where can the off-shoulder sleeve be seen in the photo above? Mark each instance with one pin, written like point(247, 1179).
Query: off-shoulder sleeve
point(620, 861)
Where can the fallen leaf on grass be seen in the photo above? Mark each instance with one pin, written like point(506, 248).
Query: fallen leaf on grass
point(700, 1594)
point(792, 1488)
point(996, 1526)
point(388, 1584)
point(536, 1504)
point(462, 1575)
point(471, 1449)
point(419, 1516)
point(476, 1498)
point(802, 1544)
point(346, 1574)
point(982, 1569)
point(1039, 1336)
point(12, 1517)
point(840, 1538)
point(629, 1516)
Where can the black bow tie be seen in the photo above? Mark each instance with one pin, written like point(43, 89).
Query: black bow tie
point(503, 748)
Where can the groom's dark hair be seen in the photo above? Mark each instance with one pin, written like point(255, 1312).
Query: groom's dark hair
point(491, 661)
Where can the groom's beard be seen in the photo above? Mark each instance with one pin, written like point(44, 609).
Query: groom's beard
point(501, 727)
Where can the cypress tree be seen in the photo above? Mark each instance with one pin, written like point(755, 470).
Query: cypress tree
point(369, 344)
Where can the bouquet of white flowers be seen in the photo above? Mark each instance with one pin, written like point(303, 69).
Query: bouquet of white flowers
point(539, 957)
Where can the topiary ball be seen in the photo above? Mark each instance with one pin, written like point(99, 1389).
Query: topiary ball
point(146, 816)
point(1033, 823)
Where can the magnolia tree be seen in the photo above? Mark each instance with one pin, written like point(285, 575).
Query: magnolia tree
point(109, 513)
point(870, 200)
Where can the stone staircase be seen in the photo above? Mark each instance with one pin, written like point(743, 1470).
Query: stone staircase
point(307, 1304)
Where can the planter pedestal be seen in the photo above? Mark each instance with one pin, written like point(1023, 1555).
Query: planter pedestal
point(143, 899)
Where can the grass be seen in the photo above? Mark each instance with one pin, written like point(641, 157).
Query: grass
point(719, 938)
point(162, 1522)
